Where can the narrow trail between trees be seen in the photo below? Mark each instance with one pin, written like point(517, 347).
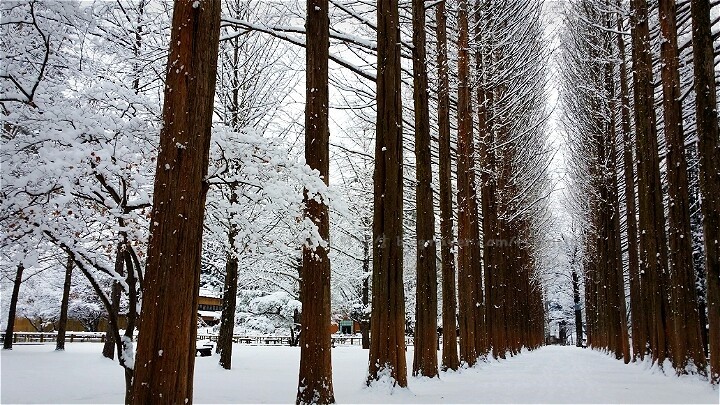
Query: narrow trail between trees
point(262, 374)
point(557, 374)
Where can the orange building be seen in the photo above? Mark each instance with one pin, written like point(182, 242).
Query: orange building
point(346, 326)
point(73, 325)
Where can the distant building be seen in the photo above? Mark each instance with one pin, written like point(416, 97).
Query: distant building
point(346, 326)
point(209, 306)
point(23, 324)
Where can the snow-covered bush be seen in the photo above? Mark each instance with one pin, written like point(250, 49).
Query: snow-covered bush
point(277, 310)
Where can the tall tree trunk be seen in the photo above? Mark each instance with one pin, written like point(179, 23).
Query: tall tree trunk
point(578, 310)
point(709, 151)
point(387, 322)
point(696, 226)
point(590, 301)
point(622, 348)
point(315, 381)
point(466, 277)
point(490, 222)
point(229, 300)
point(688, 341)
point(486, 156)
point(653, 251)
point(605, 306)
point(10, 329)
point(622, 344)
point(639, 328)
point(166, 347)
point(62, 322)
point(364, 319)
point(425, 354)
point(450, 358)
point(502, 229)
point(481, 253)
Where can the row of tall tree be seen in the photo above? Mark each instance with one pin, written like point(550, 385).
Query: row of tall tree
point(615, 108)
point(499, 149)
point(495, 79)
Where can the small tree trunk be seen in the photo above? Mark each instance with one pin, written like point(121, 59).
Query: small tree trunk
point(227, 322)
point(10, 329)
point(165, 361)
point(62, 323)
point(315, 379)
point(709, 150)
point(109, 347)
point(295, 328)
point(578, 310)
point(133, 293)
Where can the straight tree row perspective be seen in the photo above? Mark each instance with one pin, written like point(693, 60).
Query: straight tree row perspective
point(476, 71)
point(498, 112)
point(615, 108)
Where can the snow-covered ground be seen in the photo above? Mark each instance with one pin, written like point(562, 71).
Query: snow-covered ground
point(265, 374)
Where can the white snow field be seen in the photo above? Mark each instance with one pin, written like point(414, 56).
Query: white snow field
point(266, 374)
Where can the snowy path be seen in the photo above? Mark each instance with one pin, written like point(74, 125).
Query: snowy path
point(37, 374)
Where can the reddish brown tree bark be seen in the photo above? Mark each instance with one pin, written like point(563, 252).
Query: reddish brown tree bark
point(387, 320)
point(638, 326)
point(166, 345)
point(709, 151)
point(315, 380)
point(653, 251)
point(425, 353)
point(466, 277)
point(485, 158)
point(621, 344)
point(688, 342)
point(365, 318)
point(450, 358)
point(502, 234)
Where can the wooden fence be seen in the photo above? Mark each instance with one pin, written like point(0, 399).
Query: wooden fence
point(48, 337)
